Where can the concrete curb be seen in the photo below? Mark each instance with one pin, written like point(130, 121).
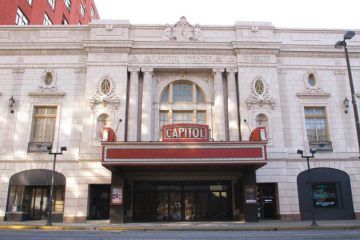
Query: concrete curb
point(11, 227)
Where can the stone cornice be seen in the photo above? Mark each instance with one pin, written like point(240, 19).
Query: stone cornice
point(39, 45)
point(313, 95)
point(56, 94)
point(182, 45)
point(111, 46)
point(274, 46)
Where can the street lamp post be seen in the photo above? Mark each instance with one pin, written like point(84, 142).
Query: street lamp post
point(339, 45)
point(48, 223)
point(313, 151)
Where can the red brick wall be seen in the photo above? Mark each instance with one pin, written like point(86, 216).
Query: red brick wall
point(35, 13)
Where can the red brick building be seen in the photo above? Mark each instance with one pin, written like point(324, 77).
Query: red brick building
point(47, 12)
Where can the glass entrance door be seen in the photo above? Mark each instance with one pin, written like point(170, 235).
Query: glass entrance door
point(267, 203)
point(219, 206)
point(39, 207)
point(182, 201)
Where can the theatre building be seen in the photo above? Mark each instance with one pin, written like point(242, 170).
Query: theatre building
point(177, 122)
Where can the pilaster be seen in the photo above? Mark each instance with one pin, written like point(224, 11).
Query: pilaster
point(219, 134)
point(146, 122)
point(133, 104)
point(232, 105)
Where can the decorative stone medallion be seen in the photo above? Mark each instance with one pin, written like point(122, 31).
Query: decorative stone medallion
point(105, 93)
point(260, 94)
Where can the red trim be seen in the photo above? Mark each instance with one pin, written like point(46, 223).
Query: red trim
point(206, 153)
point(182, 164)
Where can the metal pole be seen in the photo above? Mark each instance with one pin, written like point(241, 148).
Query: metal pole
point(314, 224)
point(51, 192)
point(356, 113)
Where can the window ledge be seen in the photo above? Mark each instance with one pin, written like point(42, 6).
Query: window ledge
point(313, 95)
point(321, 146)
point(57, 94)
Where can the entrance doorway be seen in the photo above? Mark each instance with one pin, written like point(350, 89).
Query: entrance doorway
point(99, 202)
point(267, 201)
point(182, 201)
point(38, 197)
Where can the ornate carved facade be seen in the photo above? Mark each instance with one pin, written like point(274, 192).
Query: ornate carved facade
point(135, 79)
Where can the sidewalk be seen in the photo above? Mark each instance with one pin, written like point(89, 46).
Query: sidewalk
point(187, 226)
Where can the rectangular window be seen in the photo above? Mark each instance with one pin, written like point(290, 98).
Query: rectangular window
point(44, 124)
point(64, 21)
point(164, 120)
point(92, 13)
point(68, 4)
point(82, 9)
point(47, 20)
point(182, 117)
point(52, 3)
point(21, 18)
point(30, 2)
point(200, 118)
point(316, 126)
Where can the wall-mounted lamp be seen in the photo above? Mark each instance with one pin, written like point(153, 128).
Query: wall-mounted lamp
point(11, 103)
point(346, 104)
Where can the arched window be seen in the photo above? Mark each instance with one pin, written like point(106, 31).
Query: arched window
point(165, 96)
point(199, 95)
point(102, 121)
point(182, 92)
point(263, 121)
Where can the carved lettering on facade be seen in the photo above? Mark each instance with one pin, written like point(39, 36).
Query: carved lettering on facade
point(258, 58)
point(182, 59)
point(107, 57)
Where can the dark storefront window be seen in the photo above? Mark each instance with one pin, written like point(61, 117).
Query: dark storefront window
point(15, 203)
point(34, 200)
point(324, 195)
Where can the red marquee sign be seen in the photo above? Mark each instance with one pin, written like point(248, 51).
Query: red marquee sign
point(185, 133)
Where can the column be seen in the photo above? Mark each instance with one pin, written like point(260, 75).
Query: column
point(133, 119)
point(250, 210)
point(232, 105)
point(117, 212)
point(146, 121)
point(219, 125)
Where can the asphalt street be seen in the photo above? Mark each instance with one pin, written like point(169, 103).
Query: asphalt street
point(169, 235)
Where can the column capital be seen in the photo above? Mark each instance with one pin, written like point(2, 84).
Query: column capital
point(147, 70)
point(133, 70)
point(231, 71)
point(218, 71)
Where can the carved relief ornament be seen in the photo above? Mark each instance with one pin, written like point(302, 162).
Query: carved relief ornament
point(105, 93)
point(183, 31)
point(260, 94)
point(312, 88)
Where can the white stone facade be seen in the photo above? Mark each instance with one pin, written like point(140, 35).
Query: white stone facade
point(215, 58)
